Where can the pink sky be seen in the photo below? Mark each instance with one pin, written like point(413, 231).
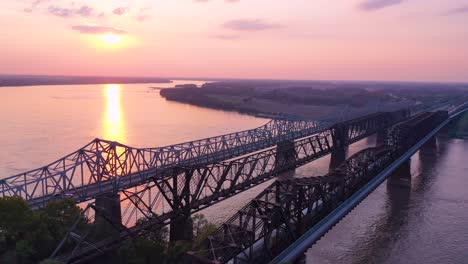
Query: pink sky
point(402, 40)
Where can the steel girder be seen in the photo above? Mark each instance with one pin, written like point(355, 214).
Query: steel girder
point(286, 209)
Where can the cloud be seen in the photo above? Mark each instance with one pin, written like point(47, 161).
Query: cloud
point(87, 29)
point(457, 11)
point(34, 5)
point(120, 11)
point(83, 11)
point(249, 25)
point(371, 5)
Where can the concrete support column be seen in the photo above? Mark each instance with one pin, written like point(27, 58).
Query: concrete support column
point(181, 228)
point(285, 153)
point(340, 136)
point(111, 216)
point(402, 175)
point(337, 157)
point(381, 137)
point(430, 144)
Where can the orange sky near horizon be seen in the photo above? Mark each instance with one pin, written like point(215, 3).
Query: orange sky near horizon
point(395, 40)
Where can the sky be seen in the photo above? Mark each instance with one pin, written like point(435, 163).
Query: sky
point(391, 40)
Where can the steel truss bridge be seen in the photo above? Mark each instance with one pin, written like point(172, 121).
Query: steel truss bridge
point(106, 166)
point(274, 222)
point(188, 189)
point(161, 186)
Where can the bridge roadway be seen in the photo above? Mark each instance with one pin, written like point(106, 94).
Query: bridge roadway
point(277, 217)
point(104, 166)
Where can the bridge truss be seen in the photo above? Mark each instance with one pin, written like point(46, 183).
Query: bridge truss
point(188, 189)
point(105, 166)
point(287, 208)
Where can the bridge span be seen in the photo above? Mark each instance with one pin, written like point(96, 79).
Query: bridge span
point(290, 215)
point(189, 189)
point(105, 166)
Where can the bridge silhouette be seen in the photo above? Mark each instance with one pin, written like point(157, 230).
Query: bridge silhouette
point(104, 166)
point(288, 208)
point(125, 184)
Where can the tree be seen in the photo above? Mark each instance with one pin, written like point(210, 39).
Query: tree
point(15, 217)
point(202, 228)
point(33, 235)
point(141, 251)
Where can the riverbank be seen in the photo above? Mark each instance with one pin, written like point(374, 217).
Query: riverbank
point(308, 100)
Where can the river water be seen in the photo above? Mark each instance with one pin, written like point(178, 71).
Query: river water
point(425, 223)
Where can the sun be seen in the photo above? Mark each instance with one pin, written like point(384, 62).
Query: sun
point(111, 39)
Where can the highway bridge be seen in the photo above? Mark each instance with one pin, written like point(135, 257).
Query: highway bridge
point(104, 166)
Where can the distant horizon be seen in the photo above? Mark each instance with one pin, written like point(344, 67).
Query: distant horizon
point(196, 78)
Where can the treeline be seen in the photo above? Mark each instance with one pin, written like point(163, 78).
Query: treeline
point(226, 95)
point(28, 236)
point(239, 95)
point(195, 96)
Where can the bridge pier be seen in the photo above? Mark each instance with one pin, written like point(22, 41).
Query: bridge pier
point(340, 138)
point(109, 217)
point(430, 144)
point(402, 175)
point(285, 153)
point(381, 137)
point(337, 157)
point(181, 229)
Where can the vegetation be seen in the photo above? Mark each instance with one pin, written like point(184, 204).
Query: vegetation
point(274, 98)
point(154, 248)
point(28, 236)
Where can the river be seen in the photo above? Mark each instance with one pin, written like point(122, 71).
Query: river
point(422, 224)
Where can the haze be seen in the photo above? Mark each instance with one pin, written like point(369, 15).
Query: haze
point(395, 40)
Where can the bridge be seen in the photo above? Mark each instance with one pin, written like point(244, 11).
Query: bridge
point(104, 166)
point(186, 188)
point(133, 191)
point(290, 215)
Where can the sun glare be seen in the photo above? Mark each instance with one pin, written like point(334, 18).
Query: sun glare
point(114, 124)
point(111, 39)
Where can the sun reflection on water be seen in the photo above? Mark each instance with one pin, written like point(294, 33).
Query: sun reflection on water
point(114, 124)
